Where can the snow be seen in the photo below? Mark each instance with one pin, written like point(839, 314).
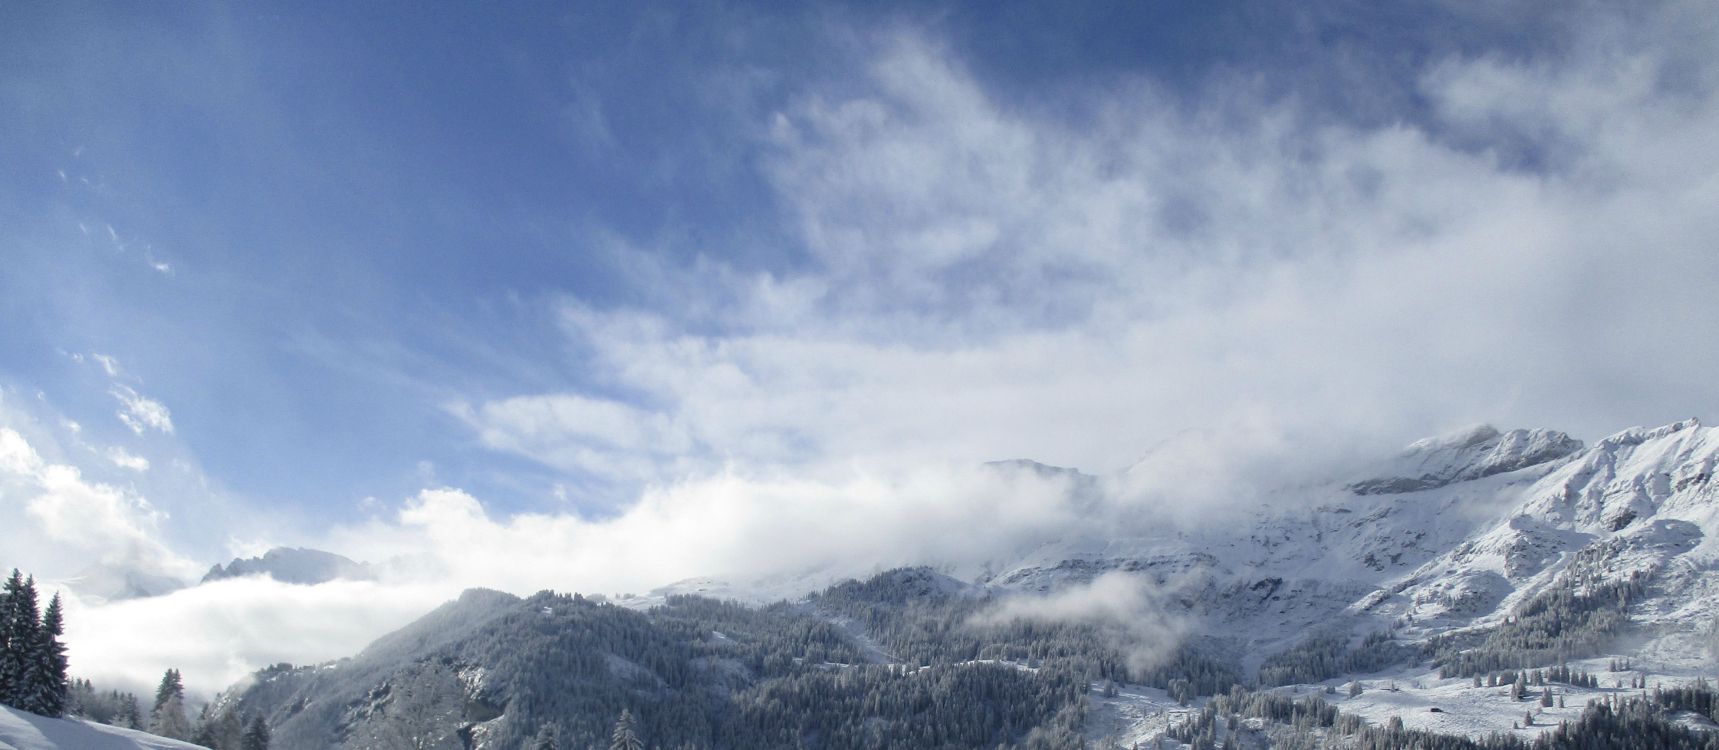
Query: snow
point(1136, 714)
point(20, 730)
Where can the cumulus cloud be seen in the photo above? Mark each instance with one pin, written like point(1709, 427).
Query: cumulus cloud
point(141, 413)
point(1130, 609)
point(53, 503)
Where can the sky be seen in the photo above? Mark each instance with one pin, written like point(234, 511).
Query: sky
point(605, 296)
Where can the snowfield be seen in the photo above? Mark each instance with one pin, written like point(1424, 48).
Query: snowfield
point(21, 730)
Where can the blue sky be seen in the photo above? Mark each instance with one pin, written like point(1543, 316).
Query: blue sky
point(398, 279)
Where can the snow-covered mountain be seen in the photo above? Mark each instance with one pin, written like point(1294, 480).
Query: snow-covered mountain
point(1461, 555)
point(294, 565)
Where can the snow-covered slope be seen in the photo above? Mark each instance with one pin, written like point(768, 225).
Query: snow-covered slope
point(1640, 503)
point(21, 730)
point(1439, 545)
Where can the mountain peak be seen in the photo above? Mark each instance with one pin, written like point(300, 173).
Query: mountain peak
point(294, 565)
point(1470, 453)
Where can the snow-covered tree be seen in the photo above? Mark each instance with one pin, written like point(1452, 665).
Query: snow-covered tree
point(545, 739)
point(625, 737)
point(46, 688)
point(19, 640)
point(168, 717)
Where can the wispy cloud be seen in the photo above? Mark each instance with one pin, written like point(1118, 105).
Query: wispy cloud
point(127, 460)
point(987, 282)
point(108, 364)
point(141, 413)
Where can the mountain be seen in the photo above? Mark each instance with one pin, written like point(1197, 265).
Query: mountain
point(1471, 584)
point(294, 565)
point(21, 730)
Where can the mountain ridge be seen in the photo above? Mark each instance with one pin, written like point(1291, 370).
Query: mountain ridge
point(1428, 574)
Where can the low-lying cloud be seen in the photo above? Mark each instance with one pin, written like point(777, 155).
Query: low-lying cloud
point(1128, 608)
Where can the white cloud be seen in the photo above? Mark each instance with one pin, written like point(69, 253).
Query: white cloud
point(218, 633)
point(742, 527)
point(126, 459)
point(141, 413)
point(986, 282)
point(1132, 610)
point(108, 364)
point(578, 433)
point(53, 504)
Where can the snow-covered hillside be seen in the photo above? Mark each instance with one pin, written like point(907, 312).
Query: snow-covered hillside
point(1414, 576)
point(20, 730)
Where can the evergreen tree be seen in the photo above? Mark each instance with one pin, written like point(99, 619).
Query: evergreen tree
point(130, 713)
point(205, 735)
point(19, 641)
point(256, 735)
point(545, 739)
point(168, 717)
point(171, 684)
point(229, 730)
point(625, 737)
point(50, 685)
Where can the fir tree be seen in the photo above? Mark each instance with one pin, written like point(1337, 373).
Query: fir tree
point(625, 737)
point(50, 685)
point(130, 713)
point(205, 735)
point(19, 641)
point(545, 739)
point(168, 717)
point(256, 735)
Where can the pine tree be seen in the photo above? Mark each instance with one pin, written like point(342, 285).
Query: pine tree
point(256, 735)
point(130, 714)
point(205, 735)
point(545, 739)
point(19, 641)
point(229, 730)
point(50, 669)
point(168, 717)
point(625, 737)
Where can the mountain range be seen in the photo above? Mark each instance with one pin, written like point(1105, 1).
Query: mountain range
point(1402, 595)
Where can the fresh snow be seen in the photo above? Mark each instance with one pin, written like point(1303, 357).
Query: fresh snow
point(21, 730)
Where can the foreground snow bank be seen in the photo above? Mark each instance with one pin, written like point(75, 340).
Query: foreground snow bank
point(21, 730)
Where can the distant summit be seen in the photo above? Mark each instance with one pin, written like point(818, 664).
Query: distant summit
point(294, 565)
point(1473, 453)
